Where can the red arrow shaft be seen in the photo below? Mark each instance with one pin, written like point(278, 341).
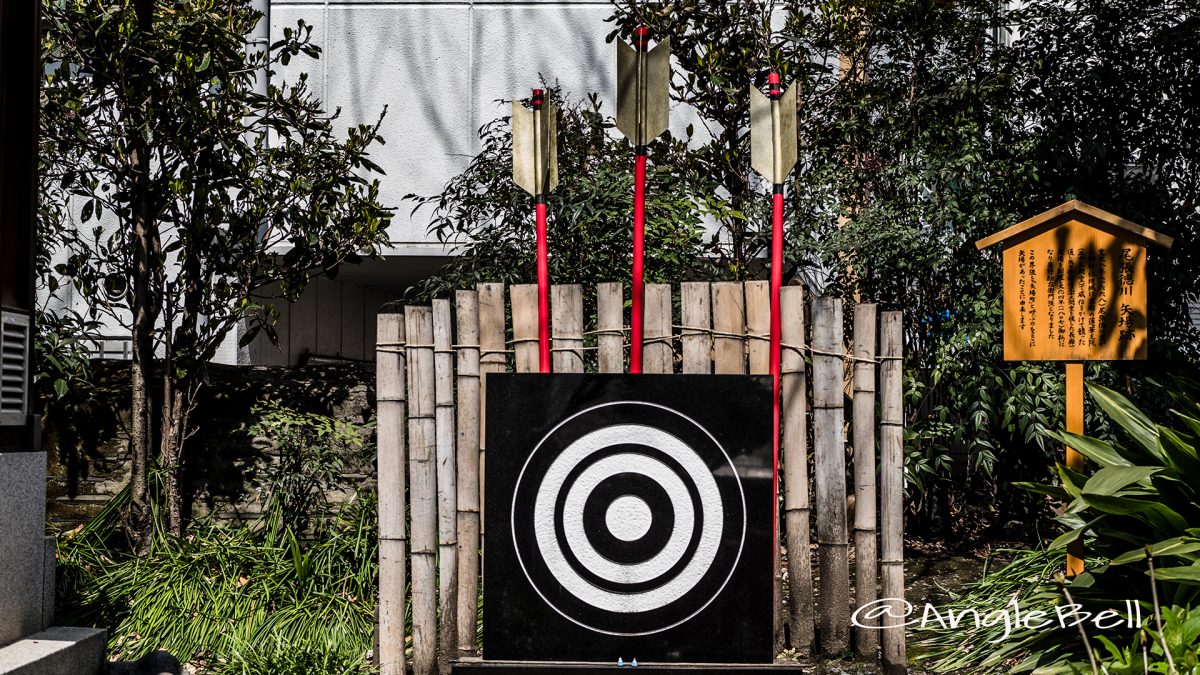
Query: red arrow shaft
point(776, 284)
point(543, 282)
point(639, 288)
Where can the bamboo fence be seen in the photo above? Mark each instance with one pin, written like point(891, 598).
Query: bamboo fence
point(432, 364)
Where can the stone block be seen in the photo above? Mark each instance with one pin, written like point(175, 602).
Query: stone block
point(56, 651)
point(48, 582)
point(22, 543)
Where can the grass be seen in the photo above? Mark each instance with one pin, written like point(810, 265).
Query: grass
point(1028, 578)
point(230, 600)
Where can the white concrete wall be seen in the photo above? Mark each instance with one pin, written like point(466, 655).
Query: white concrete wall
point(440, 67)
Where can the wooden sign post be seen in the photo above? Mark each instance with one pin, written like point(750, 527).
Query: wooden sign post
point(1075, 291)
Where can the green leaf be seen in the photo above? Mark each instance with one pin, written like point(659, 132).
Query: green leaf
point(1068, 537)
point(1189, 575)
point(1098, 451)
point(1168, 547)
point(1072, 481)
point(1127, 416)
point(1111, 480)
point(1180, 453)
point(1192, 423)
point(1163, 519)
point(1054, 491)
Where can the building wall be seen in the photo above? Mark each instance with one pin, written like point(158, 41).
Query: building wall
point(441, 69)
point(331, 321)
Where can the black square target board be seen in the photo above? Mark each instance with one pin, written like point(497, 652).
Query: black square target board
point(628, 516)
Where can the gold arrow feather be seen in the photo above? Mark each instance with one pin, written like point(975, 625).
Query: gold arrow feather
point(643, 102)
point(535, 148)
point(773, 134)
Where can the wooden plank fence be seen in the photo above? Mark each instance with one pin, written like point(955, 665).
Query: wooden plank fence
point(431, 402)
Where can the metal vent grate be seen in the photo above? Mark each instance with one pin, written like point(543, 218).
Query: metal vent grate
point(14, 367)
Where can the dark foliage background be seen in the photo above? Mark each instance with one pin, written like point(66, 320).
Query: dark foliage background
point(923, 126)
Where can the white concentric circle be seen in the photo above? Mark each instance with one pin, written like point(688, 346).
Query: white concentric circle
point(576, 534)
point(551, 560)
point(628, 518)
point(551, 485)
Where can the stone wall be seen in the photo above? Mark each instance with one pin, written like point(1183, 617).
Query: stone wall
point(27, 581)
point(87, 441)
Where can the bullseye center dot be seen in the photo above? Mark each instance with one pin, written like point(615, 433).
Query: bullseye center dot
point(628, 518)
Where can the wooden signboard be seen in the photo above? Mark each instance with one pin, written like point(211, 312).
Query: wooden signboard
point(1075, 286)
point(1075, 291)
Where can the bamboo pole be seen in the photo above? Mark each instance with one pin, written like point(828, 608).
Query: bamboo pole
point(696, 308)
point(390, 461)
point(866, 555)
point(418, 324)
point(891, 488)
point(758, 326)
point(566, 306)
point(467, 314)
point(493, 358)
point(830, 474)
point(794, 446)
point(525, 326)
point(447, 490)
point(610, 325)
point(758, 330)
point(729, 353)
point(658, 353)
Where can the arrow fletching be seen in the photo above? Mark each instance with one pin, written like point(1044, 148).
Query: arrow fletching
point(653, 90)
point(526, 163)
point(769, 138)
point(551, 146)
point(627, 86)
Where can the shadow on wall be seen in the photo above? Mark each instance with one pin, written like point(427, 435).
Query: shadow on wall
point(87, 440)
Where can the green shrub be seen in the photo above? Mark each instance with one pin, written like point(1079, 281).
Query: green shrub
point(310, 454)
point(1174, 649)
point(1143, 499)
point(208, 596)
point(280, 657)
point(255, 599)
point(1139, 513)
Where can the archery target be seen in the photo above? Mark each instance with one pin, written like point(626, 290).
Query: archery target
point(625, 517)
point(608, 463)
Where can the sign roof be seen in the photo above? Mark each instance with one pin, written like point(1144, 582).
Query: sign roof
point(1075, 207)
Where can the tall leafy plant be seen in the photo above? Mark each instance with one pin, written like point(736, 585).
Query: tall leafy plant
point(230, 600)
point(1138, 509)
point(182, 184)
point(1144, 498)
point(1140, 515)
point(309, 456)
